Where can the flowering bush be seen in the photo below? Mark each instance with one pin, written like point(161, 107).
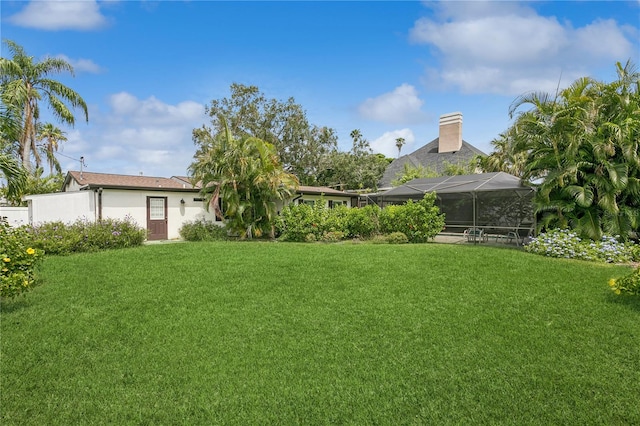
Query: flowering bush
point(85, 235)
point(565, 243)
point(629, 284)
point(17, 261)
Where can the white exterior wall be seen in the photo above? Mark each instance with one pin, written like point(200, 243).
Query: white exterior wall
point(116, 204)
point(61, 206)
point(15, 216)
point(122, 203)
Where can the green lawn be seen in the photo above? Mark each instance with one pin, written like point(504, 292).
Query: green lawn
point(262, 333)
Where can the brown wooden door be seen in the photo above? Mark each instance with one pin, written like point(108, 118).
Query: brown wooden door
point(157, 223)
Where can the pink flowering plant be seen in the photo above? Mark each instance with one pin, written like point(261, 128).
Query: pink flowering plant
point(17, 261)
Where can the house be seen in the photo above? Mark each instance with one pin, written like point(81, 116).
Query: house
point(447, 148)
point(160, 204)
point(331, 196)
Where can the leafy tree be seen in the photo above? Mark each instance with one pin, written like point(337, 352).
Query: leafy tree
point(581, 145)
point(359, 168)
point(246, 175)
point(299, 144)
point(410, 172)
point(51, 136)
point(24, 83)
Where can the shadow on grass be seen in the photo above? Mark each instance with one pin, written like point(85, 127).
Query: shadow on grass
point(631, 302)
point(12, 305)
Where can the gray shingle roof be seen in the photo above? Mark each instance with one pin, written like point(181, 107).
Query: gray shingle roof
point(429, 158)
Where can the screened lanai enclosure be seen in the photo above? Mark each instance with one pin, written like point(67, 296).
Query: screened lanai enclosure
point(496, 203)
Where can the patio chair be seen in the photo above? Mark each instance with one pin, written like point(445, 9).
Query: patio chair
point(513, 236)
point(475, 234)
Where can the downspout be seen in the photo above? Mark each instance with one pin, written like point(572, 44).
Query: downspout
point(99, 204)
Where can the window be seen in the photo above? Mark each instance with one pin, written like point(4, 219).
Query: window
point(156, 208)
point(336, 203)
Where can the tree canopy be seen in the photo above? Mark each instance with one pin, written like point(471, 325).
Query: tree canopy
point(308, 151)
point(579, 147)
point(24, 83)
point(245, 174)
point(358, 168)
point(283, 124)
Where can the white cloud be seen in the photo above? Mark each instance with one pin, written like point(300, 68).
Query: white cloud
point(507, 48)
point(402, 105)
point(60, 15)
point(138, 135)
point(152, 110)
point(386, 144)
point(82, 65)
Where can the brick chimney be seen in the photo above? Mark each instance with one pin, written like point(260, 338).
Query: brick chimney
point(450, 137)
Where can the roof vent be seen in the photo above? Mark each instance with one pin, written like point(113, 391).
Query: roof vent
point(450, 137)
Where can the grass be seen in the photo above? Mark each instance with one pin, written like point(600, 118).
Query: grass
point(261, 333)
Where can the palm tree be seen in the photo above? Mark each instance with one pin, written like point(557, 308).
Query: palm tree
point(24, 83)
point(52, 136)
point(399, 144)
point(15, 175)
point(246, 175)
point(10, 169)
point(504, 157)
point(582, 147)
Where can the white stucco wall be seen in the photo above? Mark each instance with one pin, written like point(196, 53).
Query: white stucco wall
point(15, 216)
point(116, 204)
point(123, 203)
point(61, 206)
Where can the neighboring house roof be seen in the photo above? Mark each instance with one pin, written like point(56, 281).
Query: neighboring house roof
point(88, 180)
point(429, 158)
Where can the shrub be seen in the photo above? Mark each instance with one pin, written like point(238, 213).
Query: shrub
point(566, 244)
point(335, 219)
point(17, 260)
point(202, 230)
point(296, 222)
point(299, 221)
point(333, 236)
point(380, 239)
point(362, 222)
point(628, 284)
point(86, 236)
point(393, 238)
point(397, 238)
point(419, 221)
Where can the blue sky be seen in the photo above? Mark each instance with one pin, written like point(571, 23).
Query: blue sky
point(390, 69)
